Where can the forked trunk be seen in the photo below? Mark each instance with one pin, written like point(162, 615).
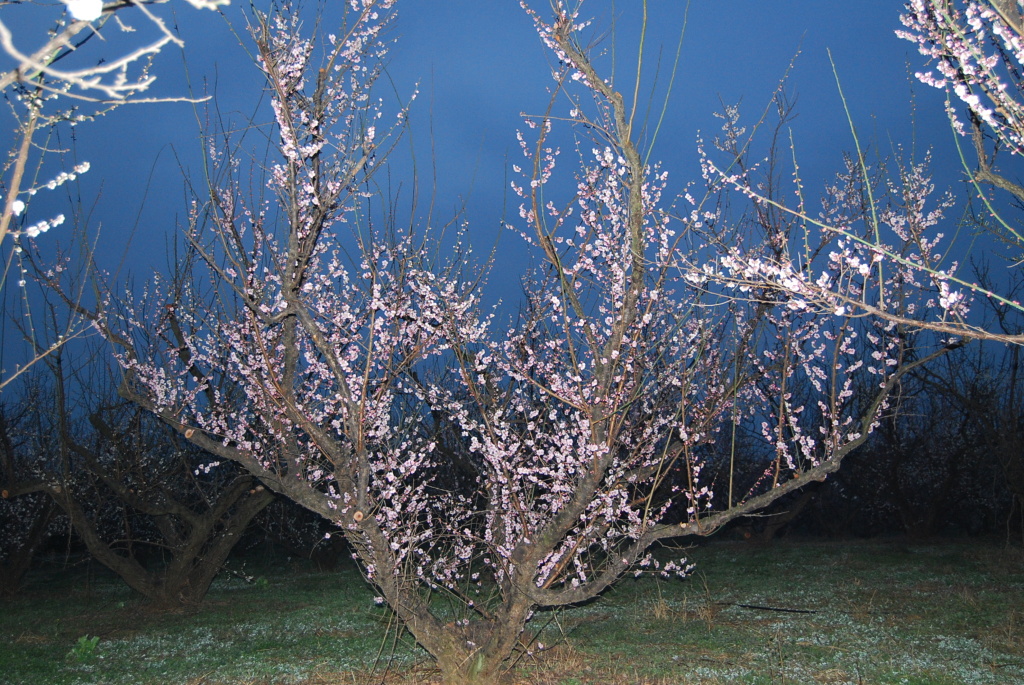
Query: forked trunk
point(471, 664)
point(478, 652)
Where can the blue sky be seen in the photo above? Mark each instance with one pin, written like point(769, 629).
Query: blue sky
point(479, 65)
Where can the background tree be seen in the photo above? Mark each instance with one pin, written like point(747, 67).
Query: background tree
point(29, 518)
point(986, 386)
point(286, 528)
point(147, 504)
point(177, 517)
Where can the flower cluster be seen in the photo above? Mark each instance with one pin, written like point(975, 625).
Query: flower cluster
point(978, 51)
point(860, 254)
point(18, 206)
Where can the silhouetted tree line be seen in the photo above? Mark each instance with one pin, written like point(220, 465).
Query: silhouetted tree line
point(947, 459)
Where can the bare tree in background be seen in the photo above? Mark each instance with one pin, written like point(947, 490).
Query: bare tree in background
point(29, 518)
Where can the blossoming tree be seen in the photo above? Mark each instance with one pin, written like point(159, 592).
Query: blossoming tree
point(299, 340)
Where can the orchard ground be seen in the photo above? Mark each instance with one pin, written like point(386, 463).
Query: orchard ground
point(803, 611)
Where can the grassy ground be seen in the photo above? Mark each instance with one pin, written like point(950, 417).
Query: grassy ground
point(801, 612)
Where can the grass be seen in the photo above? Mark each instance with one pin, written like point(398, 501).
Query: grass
point(874, 612)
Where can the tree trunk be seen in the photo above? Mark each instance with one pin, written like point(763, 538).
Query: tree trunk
point(777, 522)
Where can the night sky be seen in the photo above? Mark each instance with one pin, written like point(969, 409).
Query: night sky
point(479, 65)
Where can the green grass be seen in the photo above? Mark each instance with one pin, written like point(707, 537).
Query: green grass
point(287, 629)
point(883, 612)
point(878, 612)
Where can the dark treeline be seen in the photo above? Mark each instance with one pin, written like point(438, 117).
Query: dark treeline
point(946, 460)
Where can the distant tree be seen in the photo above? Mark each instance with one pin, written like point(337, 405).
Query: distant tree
point(158, 513)
point(987, 386)
point(286, 527)
point(924, 463)
point(147, 504)
point(29, 518)
point(153, 508)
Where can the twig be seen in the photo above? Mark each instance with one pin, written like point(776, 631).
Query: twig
point(765, 608)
